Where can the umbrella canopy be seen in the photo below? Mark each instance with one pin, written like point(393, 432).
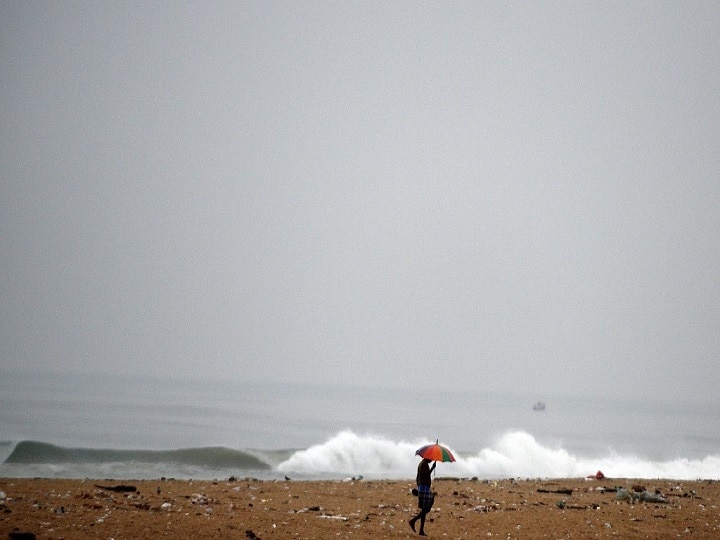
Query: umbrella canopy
point(435, 452)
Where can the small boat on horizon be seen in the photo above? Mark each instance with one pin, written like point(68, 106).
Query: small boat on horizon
point(539, 406)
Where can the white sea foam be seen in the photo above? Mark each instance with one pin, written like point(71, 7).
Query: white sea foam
point(349, 453)
point(514, 454)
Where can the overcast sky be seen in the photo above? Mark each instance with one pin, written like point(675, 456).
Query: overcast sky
point(491, 195)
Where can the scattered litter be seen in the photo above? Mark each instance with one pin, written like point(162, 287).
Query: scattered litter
point(561, 491)
point(646, 496)
point(197, 498)
point(122, 488)
point(353, 478)
point(623, 494)
point(328, 516)
point(310, 509)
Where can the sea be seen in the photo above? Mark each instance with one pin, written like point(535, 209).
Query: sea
point(128, 427)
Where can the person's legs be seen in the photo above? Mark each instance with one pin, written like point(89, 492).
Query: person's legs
point(421, 517)
point(422, 523)
point(413, 520)
point(425, 502)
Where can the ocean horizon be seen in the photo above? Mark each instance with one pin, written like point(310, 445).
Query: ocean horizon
point(99, 426)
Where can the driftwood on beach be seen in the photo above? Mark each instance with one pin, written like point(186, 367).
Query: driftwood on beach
point(562, 491)
point(121, 488)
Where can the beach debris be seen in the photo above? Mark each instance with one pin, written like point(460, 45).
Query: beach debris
point(560, 491)
point(20, 535)
point(692, 494)
point(251, 535)
point(121, 488)
point(353, 478)
point(623, 494)
point(563, 505)
point(332, 516)
point(646, 496)
point(197, 498)
point(633, 496)
point(481, 508)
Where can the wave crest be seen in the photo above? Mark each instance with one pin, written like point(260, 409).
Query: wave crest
point(33, 452)
point(514, 454)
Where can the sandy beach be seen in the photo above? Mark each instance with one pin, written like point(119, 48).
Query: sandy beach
point(464, 508)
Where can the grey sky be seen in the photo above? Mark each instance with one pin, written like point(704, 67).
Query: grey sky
point(492, 195)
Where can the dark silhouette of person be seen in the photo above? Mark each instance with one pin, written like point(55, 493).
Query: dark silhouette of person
point(426, 498)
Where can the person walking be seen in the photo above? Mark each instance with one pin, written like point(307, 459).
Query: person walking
point(426, 498)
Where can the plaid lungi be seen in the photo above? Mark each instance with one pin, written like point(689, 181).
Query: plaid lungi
point(425, 498)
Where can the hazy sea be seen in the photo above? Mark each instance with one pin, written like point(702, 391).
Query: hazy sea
point(131, 428)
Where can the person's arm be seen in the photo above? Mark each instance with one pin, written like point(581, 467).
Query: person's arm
point(433, 466)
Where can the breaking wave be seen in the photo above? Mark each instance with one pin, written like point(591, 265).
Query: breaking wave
point(515, 454)
point(347, 454)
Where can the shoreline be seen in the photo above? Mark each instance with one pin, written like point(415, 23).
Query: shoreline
point(253, 508)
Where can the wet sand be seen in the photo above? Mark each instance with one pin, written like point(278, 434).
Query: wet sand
point(247, 508)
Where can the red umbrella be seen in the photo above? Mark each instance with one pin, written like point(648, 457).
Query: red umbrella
point(435, 452)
